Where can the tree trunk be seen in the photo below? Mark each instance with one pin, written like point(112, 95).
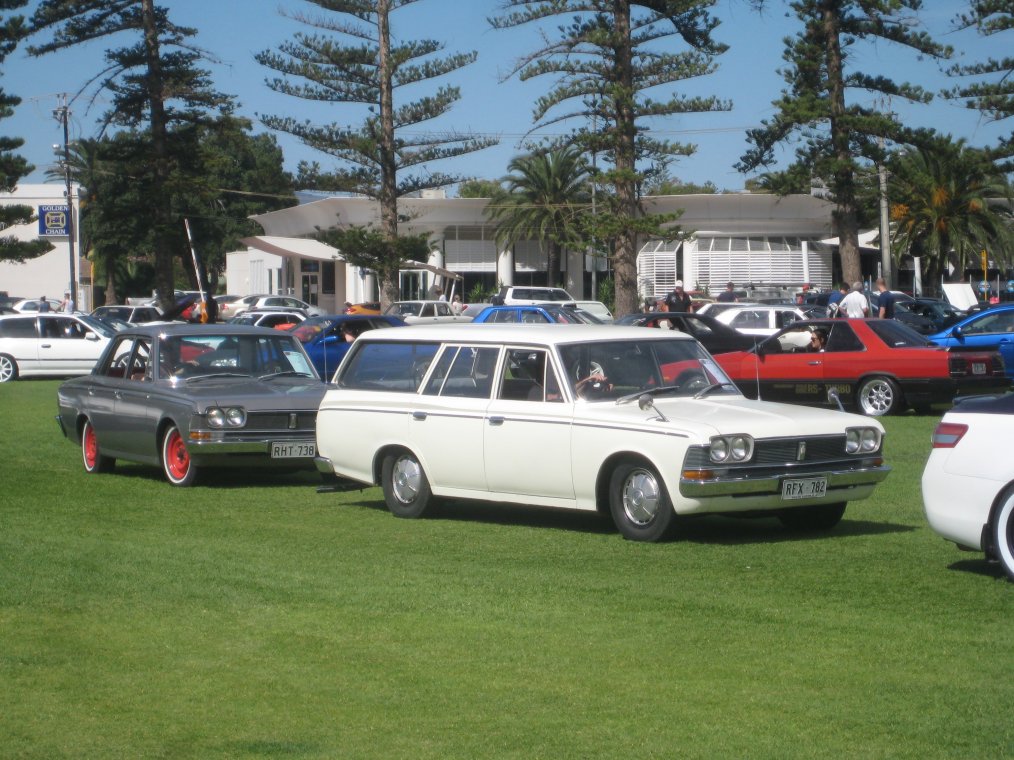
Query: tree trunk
point(390, 287)
point(162, 217)
point(625, 183)
point(846, 220)
point(553, 264)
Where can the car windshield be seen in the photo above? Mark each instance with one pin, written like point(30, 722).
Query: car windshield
point(610, 370)
point(204, 354)
point(404, 309)
point(309, 329)
point(98, 326)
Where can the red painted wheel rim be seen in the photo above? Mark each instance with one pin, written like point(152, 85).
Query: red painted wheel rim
point(91, 447)
point(177, 460)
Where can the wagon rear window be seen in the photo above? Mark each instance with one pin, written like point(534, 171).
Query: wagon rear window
point(387, 366)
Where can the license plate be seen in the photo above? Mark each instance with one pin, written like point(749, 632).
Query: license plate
point(978, 368)
point(293, 450)
point(804, 488)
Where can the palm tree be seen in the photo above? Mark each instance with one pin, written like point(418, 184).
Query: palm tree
point(947, 198)
point(545, 200)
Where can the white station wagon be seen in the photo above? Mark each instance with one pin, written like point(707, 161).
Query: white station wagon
point(642, 424)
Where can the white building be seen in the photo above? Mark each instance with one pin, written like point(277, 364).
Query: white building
point(48, 275)
point(759, 240)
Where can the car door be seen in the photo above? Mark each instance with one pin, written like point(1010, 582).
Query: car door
point(992, 330)
point(845, 359)
point(19, 339)
point(67, 345)
point(136, 415)
point(447, 425)
point(785, 369)
point(103, 389)
point(527, 433)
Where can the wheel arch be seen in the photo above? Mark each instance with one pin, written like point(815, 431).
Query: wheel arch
point(988, 547)
point(605, 472)
point(383, 453)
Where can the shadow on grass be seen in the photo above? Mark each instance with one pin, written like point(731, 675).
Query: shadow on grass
point(981, 566)
point(224, 477)
point(702, 529)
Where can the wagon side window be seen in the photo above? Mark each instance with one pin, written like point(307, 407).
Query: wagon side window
point(471, 372)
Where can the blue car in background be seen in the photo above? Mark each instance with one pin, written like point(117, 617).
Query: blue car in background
point(989, 329)
point(538, 314)
point(326, 339)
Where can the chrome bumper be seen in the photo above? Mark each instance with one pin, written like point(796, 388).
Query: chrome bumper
point(323, 465)
point(772, 484)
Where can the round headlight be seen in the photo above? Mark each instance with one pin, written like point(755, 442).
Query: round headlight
point(719, 450)
point(870, 439)
point(236, 417)
point(740, 448)
point(851, 441)
point(216, 417)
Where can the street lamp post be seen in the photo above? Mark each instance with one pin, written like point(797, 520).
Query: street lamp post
point(61, 114)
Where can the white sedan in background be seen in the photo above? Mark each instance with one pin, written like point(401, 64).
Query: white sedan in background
point(759, 319)
point(968, 483)
point(52, 345)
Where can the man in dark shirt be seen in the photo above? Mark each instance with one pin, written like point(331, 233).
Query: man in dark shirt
point(835, 298)
point(678, 300)
point(727, 295)
point(885, 303)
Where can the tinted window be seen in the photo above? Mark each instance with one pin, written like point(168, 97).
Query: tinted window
point(18, 328)
point(843, 338)
point(897, 335)
point(387, 366)
point(1000, 321)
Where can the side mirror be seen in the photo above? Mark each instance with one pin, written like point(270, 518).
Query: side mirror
point(91, 336)
point(834, 398)
point(956, 332)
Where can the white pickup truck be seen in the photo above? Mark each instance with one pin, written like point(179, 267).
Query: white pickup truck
point(424, 312)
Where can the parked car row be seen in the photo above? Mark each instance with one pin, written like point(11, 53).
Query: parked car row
point(612, 408)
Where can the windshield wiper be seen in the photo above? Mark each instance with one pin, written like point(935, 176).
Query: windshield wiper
point(284, 373)
point(714, 386)
point(218, 374)
point(662, 389)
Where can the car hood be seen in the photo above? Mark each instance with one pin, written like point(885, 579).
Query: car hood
point(293, 393)
point(700, 419)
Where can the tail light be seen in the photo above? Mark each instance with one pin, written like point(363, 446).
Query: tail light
point(947, 435)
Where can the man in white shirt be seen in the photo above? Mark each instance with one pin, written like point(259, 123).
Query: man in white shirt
point(855, 304)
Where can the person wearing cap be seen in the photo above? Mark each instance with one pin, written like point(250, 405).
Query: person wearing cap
point(855, 304)
point(727, 295)
point(679, 299)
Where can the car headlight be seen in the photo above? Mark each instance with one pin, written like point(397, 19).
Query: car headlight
point(731, 448)
point(232, 416)
point(862, 440)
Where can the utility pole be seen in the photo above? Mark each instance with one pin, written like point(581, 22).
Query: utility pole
point(885, 228)
point(62, 113)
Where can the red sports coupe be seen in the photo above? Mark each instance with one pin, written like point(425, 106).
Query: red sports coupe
point(879, 365)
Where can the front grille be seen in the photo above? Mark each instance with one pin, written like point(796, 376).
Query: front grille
point(306, 421)
point(778, 451)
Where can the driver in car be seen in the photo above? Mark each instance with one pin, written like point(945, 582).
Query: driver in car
point(592, 386)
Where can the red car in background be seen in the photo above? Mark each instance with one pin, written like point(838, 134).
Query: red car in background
point(879, 365)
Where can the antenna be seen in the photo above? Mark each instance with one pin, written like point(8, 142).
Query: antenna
point(756, 365)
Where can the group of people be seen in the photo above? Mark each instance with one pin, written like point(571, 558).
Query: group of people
point(853, 304)
point(66, 305)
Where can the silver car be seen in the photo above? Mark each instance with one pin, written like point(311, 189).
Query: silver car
point(185, 397)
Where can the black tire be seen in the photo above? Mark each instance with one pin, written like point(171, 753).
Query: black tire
point(176, 464)
point(878, 396)
point(1002, 530)
point(406, 488)
point(8, 368)
point(91, 453)
point(639, 503)
point(820, 517)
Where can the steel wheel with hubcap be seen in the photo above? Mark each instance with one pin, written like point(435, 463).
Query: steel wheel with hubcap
point(91, 455)
point(8, 368)
point(1002, 531)
point(819, 517)
point(878, 396)
point(406, 488)
point(639, 503)
point(176, 459)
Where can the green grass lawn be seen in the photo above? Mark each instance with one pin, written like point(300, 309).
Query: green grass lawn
point(254, 617)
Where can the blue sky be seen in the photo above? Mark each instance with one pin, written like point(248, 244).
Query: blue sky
point(233, 30)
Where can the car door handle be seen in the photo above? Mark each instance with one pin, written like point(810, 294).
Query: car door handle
point(496, 420)
point(46, 345)
point(814, 363)
point(418, 415)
